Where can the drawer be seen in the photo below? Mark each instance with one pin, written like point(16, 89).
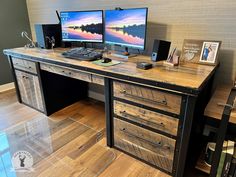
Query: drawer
point(144, 144)
point(148, 96)
point(97, 79)
point(66, 72)
point(24, 65)
point(146, 117)
point(29, 88)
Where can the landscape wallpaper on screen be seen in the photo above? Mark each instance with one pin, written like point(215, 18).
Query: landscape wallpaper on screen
point(82, 26)
point(126, 27)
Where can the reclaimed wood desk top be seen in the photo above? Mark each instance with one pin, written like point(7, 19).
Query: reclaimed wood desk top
point(186, 78)
point(215, 111)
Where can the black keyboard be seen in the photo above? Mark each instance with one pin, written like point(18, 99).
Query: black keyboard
point(82, 53)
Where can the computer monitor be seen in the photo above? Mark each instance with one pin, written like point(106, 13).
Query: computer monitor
point(126, 27)
point(82, 26)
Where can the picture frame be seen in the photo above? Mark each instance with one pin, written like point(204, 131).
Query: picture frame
point(191, 50)
point(209, 52)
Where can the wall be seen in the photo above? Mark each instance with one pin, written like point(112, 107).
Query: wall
point(168, 20)
point(13, 20)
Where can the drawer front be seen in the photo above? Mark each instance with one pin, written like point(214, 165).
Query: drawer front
point(148, 96)
point(67, 72)
point(149, 146)
point(146, 117)
point(24, 65)
point(29, 90)
point(97, 79)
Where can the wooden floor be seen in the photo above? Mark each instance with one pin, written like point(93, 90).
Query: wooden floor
point(69, 143)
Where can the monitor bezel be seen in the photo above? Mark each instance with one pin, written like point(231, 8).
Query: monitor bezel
point(86, 41)
point(123, 45)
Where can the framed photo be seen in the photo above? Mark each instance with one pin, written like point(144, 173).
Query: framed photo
point(209, 52)
point(191, 50)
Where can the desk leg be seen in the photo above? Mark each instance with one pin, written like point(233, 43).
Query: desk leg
point(187, 114)
point(109, 113)
point(221, 132)
point(14, 79)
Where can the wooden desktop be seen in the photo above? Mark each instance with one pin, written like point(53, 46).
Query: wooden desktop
point(149, 113)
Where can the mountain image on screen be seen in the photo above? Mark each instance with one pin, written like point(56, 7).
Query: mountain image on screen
point(93, 28)
point(126, 27)
point(82, 26)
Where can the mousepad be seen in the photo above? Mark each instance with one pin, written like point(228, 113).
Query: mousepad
point(100, 63)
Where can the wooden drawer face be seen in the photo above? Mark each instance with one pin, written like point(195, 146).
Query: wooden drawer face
point(97, 79)
point(151, 119)
point(24, 65)
point(148, 96)
point(149, 146)
point(67, 72)
point(29, 89)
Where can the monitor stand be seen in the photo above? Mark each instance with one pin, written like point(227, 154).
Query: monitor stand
point(124, 55)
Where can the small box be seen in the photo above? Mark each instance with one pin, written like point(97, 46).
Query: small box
point(144, 65)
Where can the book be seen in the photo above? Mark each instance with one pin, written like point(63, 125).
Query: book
point(222, 159)
point(233, 165)
point(228, 158)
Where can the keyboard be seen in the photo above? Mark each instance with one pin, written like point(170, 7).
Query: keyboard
point(81, 53)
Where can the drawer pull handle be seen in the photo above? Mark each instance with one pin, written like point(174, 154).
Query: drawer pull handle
point(138, 118)
point(63, 71)
point(69, 73)
point(227, 105)
point(29, 67)
point(162, 102)
point(156, 144)
point(24, 77)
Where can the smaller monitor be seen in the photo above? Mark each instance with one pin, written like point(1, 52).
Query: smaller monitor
point(82, 26)
point(126, 27)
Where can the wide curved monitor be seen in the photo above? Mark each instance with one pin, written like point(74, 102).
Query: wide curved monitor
point(82, 26)
point(126, 27)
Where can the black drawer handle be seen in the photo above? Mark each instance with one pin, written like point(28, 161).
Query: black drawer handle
point(138, 118)
point(161, 102)
point(25, 77)
point(158, 144)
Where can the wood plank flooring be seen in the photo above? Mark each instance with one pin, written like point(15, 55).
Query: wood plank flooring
point(69, 143)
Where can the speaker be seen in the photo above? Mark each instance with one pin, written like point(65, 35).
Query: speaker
point(44, 32)
point(160, 50)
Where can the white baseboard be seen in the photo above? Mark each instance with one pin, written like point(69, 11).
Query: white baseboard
point(96, 96)
point(6, 87)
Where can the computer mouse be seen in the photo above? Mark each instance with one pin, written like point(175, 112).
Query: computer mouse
point(106, 60)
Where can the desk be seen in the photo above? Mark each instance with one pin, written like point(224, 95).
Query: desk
point(213, 110)
point(149, 114)
point(217, 111)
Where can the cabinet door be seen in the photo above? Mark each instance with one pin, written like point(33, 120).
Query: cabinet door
point(29, 89)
